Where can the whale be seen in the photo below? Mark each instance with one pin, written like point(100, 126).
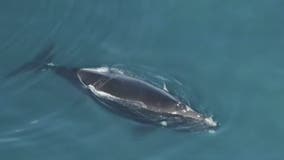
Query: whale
point(126, 95)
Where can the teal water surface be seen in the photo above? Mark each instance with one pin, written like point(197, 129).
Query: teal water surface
point(228, 56)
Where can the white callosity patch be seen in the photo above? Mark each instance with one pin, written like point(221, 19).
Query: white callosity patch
point(210, 121)
point(188, 109)
point(50, 64)
point(178, 104)
point(97, 70)
point(103, 70)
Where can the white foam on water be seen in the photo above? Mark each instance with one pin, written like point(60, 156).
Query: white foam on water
point(164, 123)
point(116, 70)
point(50, 64)
point(34, 122)
point(19, 130)
point(5, 140)
point(211, 131)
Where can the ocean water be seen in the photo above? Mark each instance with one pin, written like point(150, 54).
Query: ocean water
point(228, 56)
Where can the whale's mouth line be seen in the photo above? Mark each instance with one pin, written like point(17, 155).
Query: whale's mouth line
point(108, 96)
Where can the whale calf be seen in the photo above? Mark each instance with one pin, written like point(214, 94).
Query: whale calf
point(126, 95)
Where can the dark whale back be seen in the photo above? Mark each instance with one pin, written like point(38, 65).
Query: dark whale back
point(140, 100)
point(128, 88)
point(137, 90)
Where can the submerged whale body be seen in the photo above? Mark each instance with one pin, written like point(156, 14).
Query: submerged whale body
point(128, 96)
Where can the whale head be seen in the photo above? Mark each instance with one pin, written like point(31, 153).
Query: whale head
point(89, 76)
point(195, 121)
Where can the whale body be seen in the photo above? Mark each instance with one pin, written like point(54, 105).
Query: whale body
point(126, 95)
point(138, 99)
